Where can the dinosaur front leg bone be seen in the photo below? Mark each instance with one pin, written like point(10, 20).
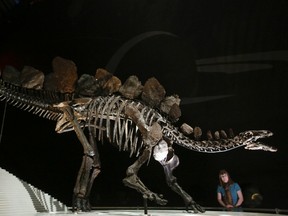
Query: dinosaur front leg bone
point(133, 181)
point(151, 136)
point(171, 180)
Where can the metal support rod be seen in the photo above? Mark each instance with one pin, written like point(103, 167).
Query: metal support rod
point(145, 205)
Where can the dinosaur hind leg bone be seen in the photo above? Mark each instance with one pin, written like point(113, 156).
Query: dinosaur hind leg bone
point(90, 167)
point(151, 136)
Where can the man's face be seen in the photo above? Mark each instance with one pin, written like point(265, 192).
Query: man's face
point(224, 177)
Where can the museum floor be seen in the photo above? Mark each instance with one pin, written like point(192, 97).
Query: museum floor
point(18, 198)
point(154, 213)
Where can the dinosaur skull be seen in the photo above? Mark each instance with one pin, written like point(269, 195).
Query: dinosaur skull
point(250, 137)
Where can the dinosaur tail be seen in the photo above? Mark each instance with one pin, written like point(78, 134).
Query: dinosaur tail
point(38, 102)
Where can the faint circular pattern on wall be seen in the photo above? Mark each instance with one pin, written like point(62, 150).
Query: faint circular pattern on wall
point(161, 55)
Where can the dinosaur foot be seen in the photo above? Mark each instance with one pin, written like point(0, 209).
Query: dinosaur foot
point(196, 208)
point(81, 205)
point(135, 183)
point(158, 198)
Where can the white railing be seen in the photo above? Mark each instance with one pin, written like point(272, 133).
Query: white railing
point(18, 197)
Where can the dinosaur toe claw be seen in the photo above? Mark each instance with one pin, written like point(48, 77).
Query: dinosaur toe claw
point(196, 207)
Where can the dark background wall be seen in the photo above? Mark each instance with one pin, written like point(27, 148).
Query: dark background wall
point(227, 60)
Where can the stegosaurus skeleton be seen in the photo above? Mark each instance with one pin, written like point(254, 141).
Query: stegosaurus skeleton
point(132, 126)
